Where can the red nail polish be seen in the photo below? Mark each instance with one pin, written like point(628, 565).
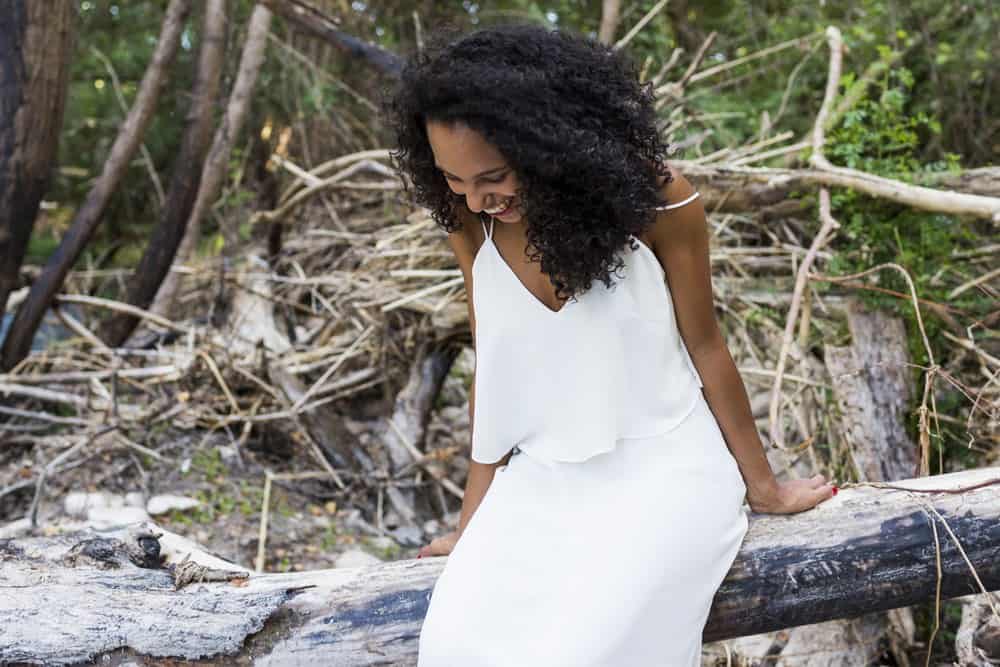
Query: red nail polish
point(835, 489)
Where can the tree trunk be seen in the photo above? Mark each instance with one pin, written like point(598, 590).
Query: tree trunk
point(871, 382)
point(76, 597)
point(88, 217)
point(685, 30)
point(610, 15)
point(159, 255)
point(229, 129)
point(37, 41)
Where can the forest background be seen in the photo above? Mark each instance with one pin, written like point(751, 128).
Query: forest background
point(917, 101)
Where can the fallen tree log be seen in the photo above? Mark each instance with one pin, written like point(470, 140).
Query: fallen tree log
point(83, 595)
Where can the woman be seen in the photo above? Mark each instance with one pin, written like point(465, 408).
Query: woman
point(612, 438)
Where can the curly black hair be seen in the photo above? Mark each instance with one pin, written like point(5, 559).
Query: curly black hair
point(571, 118)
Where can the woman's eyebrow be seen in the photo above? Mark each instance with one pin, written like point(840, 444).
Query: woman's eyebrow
point(479, 175)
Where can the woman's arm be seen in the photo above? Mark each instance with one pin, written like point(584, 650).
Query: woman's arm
point(480, 475)
point(679, 238)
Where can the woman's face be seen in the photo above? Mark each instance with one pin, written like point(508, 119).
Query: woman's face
point(475, 169)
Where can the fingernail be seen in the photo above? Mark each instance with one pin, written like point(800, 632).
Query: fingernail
point(420, 555)
point(835, 489)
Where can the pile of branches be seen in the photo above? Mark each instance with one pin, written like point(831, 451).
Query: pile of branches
point(362, 299)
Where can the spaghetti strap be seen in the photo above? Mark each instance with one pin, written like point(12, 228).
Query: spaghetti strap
point(490, 232)
point(678, 204)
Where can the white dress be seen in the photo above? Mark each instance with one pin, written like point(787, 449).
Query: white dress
point(604, 539)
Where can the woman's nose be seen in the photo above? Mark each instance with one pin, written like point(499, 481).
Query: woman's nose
point(475, 200)
point(475, 204)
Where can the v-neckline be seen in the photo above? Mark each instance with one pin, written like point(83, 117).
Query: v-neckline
point(488, 238)
point(524, 288)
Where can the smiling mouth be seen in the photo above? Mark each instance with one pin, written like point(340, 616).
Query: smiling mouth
point(501, 210)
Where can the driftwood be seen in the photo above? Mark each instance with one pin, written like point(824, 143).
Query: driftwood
point(977, 641)
point(610, 11)
point(734, 188)
point(872, 390)
point(79, 596)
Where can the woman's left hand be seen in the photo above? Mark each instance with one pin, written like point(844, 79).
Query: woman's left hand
point(792, 496)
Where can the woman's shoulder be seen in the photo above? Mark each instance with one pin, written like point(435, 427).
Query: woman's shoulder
point(680, 221)
point(675, 193)
point(675, 189)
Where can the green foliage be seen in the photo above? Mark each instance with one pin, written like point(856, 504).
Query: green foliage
point(390, 552)
point(882, 135)
point(330, 538)
point(208, 462)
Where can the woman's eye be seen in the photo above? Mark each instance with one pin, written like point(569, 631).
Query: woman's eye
point(486, 180)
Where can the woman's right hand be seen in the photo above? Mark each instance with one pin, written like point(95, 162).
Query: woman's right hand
point(791, 496)
point(440, 546)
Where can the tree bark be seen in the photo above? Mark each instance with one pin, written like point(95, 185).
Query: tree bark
point(977, 640)
point(88, 217)
point(38, 37)
point(981, 181)
point(184, 184)
point(866, 550)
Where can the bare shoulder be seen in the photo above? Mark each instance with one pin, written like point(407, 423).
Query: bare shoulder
point(677, 189)
point(682, 220)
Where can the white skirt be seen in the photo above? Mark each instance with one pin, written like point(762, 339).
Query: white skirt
point(612, 561)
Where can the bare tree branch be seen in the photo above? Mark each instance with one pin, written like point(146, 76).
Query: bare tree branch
point(313, 21)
